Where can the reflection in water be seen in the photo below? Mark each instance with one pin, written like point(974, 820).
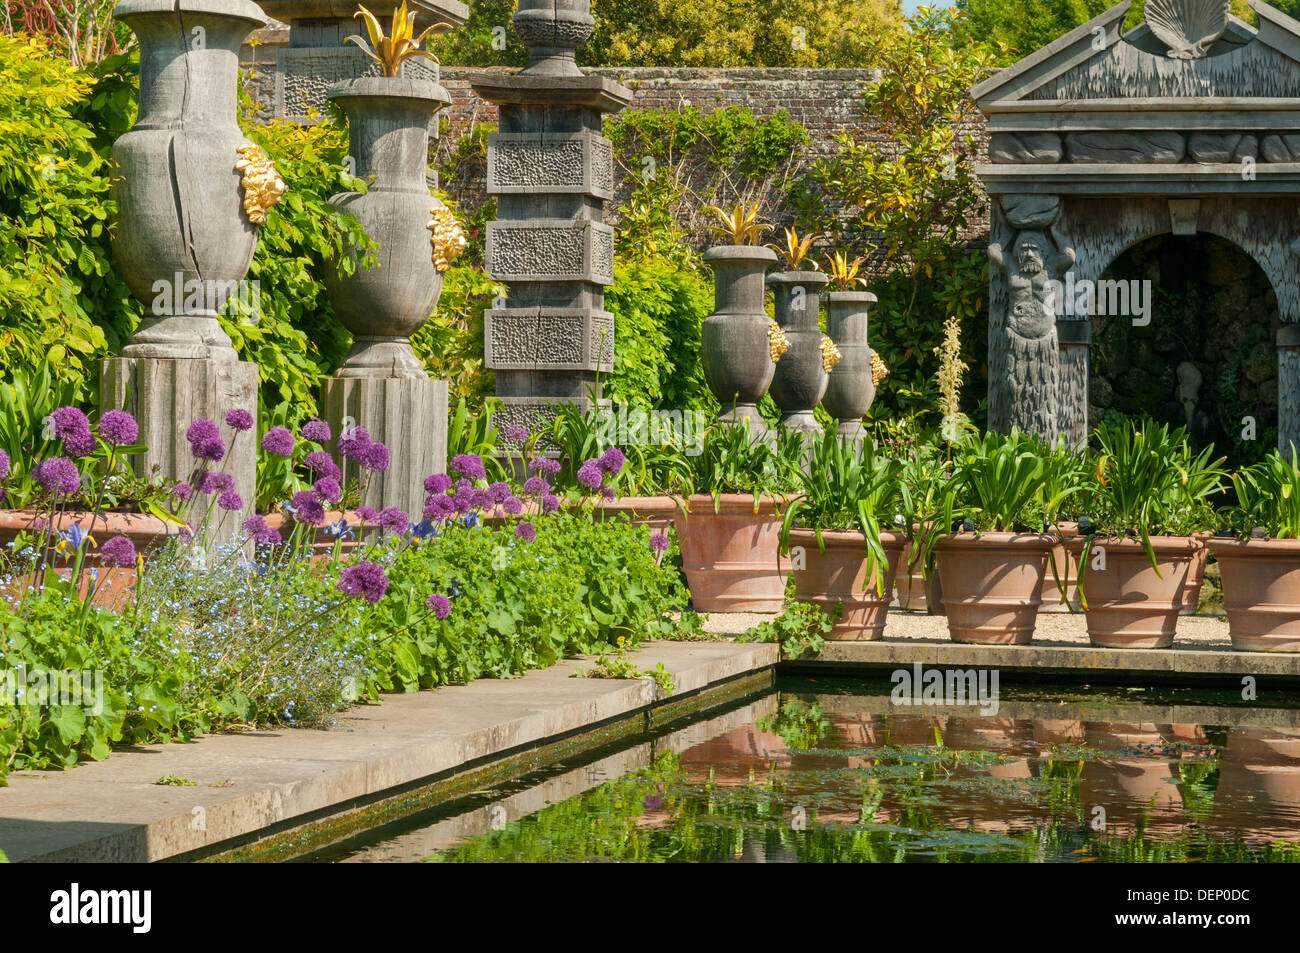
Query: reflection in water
point(797, 777)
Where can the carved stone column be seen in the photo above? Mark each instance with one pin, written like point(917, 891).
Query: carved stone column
point(551, 172)
point(1026, 257)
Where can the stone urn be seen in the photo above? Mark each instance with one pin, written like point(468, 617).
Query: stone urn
point(187, 216)
point(800, 379)
point(736, 347)
point(388, 135)
point(851, 388)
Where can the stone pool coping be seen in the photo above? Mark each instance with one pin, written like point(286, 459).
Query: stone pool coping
point(1201, 652)
point(114, 811)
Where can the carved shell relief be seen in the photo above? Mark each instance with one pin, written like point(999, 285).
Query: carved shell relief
point(1187, 27)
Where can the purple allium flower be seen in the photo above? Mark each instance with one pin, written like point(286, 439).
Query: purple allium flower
point(352, 442)
point(182, 491)
point(367, 513)
point(545, 465)
point(117, 427)
point(4, 464)
point(550, 503)
point(252, 526)
point(659, 542)
point(80, 444)
point(517, 433)
point(230, 501)
point(536, 486)
point(209, 482)
point(607, 492)
point(212, 450)
point(239, 419)
point(364, 581)
point(512, 505)
point(589, 475)
point(526, 531)
point(468, 465)
point(318, 461)
point(328, 489)
point(500, 491)
point(463, 501)
point(612, 460)
point(436, 483)
point(269, 537)
point(439, 605)
point(58, 474)
point(278, 441)
point(118, 551)
point(481, 499)
point(653, 802)
point(374, 456)
point(200, 432)
point(68, 422)
point(440, 508)
point(394, 519)
point(317, 431)
point(307, 508)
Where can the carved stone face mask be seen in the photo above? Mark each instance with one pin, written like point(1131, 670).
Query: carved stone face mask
point(1029, 258)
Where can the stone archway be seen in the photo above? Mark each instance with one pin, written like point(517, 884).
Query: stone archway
point(1204, 355)
point(1086, 166)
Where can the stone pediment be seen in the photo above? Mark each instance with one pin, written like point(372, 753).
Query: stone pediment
point(1107, 112)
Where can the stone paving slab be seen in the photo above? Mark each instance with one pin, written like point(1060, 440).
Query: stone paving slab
point(113, 810)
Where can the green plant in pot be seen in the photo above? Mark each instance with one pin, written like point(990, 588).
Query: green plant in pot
point(730, 532)
point(839, 550)
point(992, 571)
point(1260, 567)
point(1149, 501)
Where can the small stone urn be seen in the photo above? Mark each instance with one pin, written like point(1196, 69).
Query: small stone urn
point(735, 345)
point(800, 379)
point(388, 135)
point(851, 388)
point(187, 217)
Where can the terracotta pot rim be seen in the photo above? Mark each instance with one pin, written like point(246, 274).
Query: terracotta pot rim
point(19, 520)
point(1246, 547)
point(731, 504)
point(1161, 544)
point(966, 540)
point(842, 537)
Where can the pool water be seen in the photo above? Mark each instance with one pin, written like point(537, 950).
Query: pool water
point(818, 771)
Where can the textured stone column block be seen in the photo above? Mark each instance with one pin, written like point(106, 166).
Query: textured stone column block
point(557, 339)
point(166, 396)
point(580, 164)
point(303, 77)
point(408, 416)
point(532, 412)
point(549, 249)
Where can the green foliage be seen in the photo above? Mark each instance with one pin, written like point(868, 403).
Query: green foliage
point(475, 434)
point(823, 33)
point(451, 342)
point(618, 665)
point(60, 298)
point(578, 588)
point(139, 683)
point(1000, 482)
point(732, 461)
point(847, 488)
point(801, 725)
point(801, 630)
point(1268, 496)
point(900, 189)
point(658, 310)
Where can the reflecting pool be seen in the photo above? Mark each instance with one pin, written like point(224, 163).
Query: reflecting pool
point(818, 770)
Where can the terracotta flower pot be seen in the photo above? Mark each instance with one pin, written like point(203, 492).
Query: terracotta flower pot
point(840, 575)
point(992, 584)
point(322, 540)
point(1261, 592)
point(1258, 797)
point(1128, 604)
point(730, 556)
point(113, 585)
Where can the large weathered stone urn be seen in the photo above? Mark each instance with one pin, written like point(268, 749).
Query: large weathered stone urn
point(182, 227)
point(388, 133)
point(799, 382)
point(735, 347)
point(851, 389)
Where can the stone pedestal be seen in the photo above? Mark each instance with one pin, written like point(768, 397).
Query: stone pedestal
point(407, 415)
point(166, 396)
point(551, 172)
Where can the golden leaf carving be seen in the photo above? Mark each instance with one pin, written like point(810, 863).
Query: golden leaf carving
point(448, 240)
point(262, 184)
point(777, 342)
point(830, 354)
